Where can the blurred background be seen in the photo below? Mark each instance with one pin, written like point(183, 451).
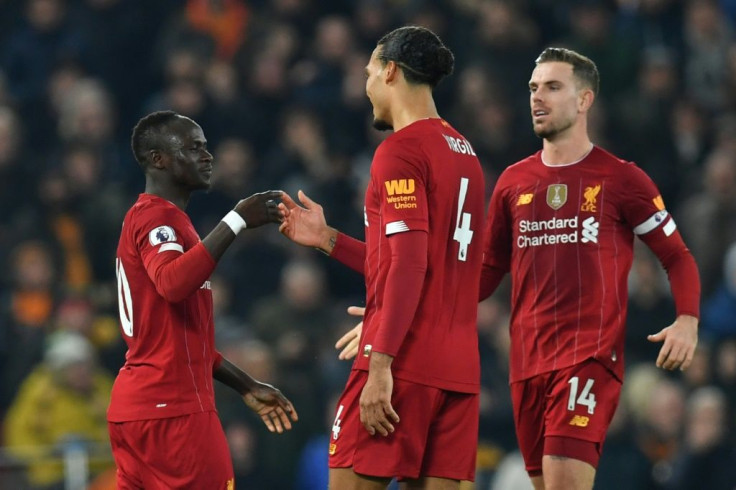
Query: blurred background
point(278, 87)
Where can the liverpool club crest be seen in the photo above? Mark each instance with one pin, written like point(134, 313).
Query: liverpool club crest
point(556, 195)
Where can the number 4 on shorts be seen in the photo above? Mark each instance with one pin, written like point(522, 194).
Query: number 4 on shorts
point(586, 398)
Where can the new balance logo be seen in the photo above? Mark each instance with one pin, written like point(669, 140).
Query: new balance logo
point(524, 199)
point(579, 421)
point(401, 186)
point(590, 230)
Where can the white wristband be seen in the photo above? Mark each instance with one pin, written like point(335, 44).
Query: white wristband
point(235, 222)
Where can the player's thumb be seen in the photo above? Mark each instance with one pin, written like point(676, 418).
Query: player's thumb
point(657, 337)
point(308, 203)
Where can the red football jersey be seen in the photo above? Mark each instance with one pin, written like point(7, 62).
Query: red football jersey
point(171, 354)
point(566, 233)
point(427, 177)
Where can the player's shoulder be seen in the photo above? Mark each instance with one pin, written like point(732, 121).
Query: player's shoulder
point(521, 167)
point(624, 169)
point(602, 155)
point(149, 207)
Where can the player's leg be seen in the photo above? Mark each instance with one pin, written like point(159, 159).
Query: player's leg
point(538, 482)
point(528, 401)
point(563, 473)
point(430, 483)
point(451, 445)
point(581, 403)
point(347, 479)
point(368, 460)
point(189, 451)
point(125, 457)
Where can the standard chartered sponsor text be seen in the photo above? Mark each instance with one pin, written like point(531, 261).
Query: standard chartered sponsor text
point(526, 226)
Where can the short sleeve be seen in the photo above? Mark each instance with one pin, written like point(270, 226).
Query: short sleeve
point(400, 179)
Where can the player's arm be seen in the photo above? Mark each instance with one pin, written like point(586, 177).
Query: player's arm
point(306, 225)
point(177, 274)
point(496, 243)
point(681, 337)
point(401, 297)
point(643, 208)
point(268, 402)
point(251, 212)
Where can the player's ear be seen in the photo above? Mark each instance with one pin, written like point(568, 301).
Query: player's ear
point(585, 100)
point(156, 158)
point(391, 71)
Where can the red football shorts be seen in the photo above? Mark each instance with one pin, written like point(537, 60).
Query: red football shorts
point(437, 434)
point(179, 452)
point(565, 413)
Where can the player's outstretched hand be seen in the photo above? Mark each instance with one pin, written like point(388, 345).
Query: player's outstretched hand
point(261, 208)
point(680, 340)
point(275, 410)
point(305, 225)
point(350, 342)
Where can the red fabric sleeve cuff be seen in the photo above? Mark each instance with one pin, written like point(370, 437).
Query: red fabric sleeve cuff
point(490, 278)
point(217, 361)
point(350, 252)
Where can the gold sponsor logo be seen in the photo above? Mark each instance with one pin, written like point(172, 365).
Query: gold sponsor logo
point(579, 421)
point(556, 196)
point(333, 449)
point(524, 199)
point(403, 202)
point(231, 484)
point(590, 195)
point(400, 186)
point(659, 202)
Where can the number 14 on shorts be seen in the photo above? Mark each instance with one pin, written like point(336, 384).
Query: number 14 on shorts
point(586, 398)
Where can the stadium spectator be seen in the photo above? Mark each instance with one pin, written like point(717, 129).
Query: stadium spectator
point(62, 402)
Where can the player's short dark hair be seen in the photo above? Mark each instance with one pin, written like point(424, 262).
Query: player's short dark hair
point(147, 134)
point(419, 52)
point(583, 68)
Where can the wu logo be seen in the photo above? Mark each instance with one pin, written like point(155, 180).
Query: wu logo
point(590, 230)
point(400, 186)
point(590, 195)
point(556, 196)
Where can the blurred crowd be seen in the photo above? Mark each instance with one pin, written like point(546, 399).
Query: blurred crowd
point(278, 87)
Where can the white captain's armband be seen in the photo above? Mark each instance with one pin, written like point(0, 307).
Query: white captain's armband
point(654, 221)
point(396, 227)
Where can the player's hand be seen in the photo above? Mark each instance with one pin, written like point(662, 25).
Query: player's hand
point(350, 342)
point(261, 208)
point(680, 340)
point(273, 407)
point(376, 412)
point(305, 225)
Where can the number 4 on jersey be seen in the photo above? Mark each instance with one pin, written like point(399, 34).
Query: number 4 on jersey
point(463, 234)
